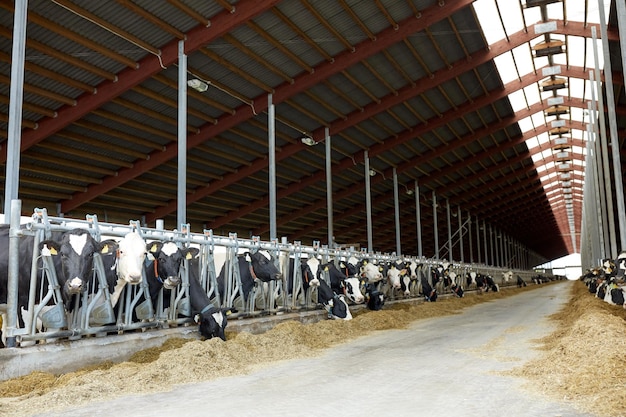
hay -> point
(582, 361)
(181, 361)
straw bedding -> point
(583, 360)
(185, 361)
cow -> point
(308, 279)
(614, 294)
(507, 276)
(211, 319)
(454, 286)
(123, 262)
(162, 268)
(520, 282)
(370, 271)
(429, 292)
(335, 305)
(341, 284)
(398, 277)
(254, 267)
(374, 299)
(71, 253)
(470, 279)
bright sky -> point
(562, 189)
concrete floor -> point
(440, 367)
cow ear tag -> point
(154, 248)
(105, 249)
(188, 256)
(326, 269)
(53, 252)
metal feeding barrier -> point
(216, 267)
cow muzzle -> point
(171, 282)
(133, 279)
(75, 285)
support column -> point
(271, 133)
(418, 218)
(181, 202)
(368, 203)
(329, 189)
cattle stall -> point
(222, 264)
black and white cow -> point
(370, 271)
(374, 299)
(71, 253)
(335, 304)
(253, 267)
(520, 282)
(211, 319)
(341, 284)
(429, 292)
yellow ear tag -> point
(53, 252)
(188, 256)
(154, 248)
(364, 262)
(105, 249)
(228, 312)
(326, 269)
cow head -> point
(370, 271)
(352, 290)
(212, 322)
(375, 299)
(262, 265)
(73, 260)
(394, 274)
(167, 258)
(338, 309)
(131, 254)
(308, 278)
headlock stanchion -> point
(104, 308)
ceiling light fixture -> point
(372, 172)
(198, 85)
(307, 140)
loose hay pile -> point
(182, 361)
(583, 360)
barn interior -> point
(434, 128)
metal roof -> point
(414, 83)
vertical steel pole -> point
(494, 261)
(610, 99)
(329, 188)
(478, 240)
(368, 203)
(181, 202)
(449, 230)
(418, 218)
(396, 203)
(485, 242)
(13, 271)
(458, 213)
(435, 225)
(612, 252)
(470, 237)
(597, 174)
(271, 139)
(16, 98)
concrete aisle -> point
(440, 367)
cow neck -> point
(306, 276)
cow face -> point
(308, 278)
(212, 322)
(167, 257)
(131, 254)
(76, 250)
(262, 264)
(352, 290)
(370, 272)
(334, 304)
(394, 275)
(375, 299)
(349, 267)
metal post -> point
(460, 233)
(271, 139)
(181, 202)
(16, 98)
(396, 203)
(418, 218)
(478, 240)
(596, 174)
(368, 203)
(470, 237)
(605, 153)
(329, 189)
(610, 100)
(494, 261)
(449, 230)
(485, 242)
(13, 271)
(435, 225)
